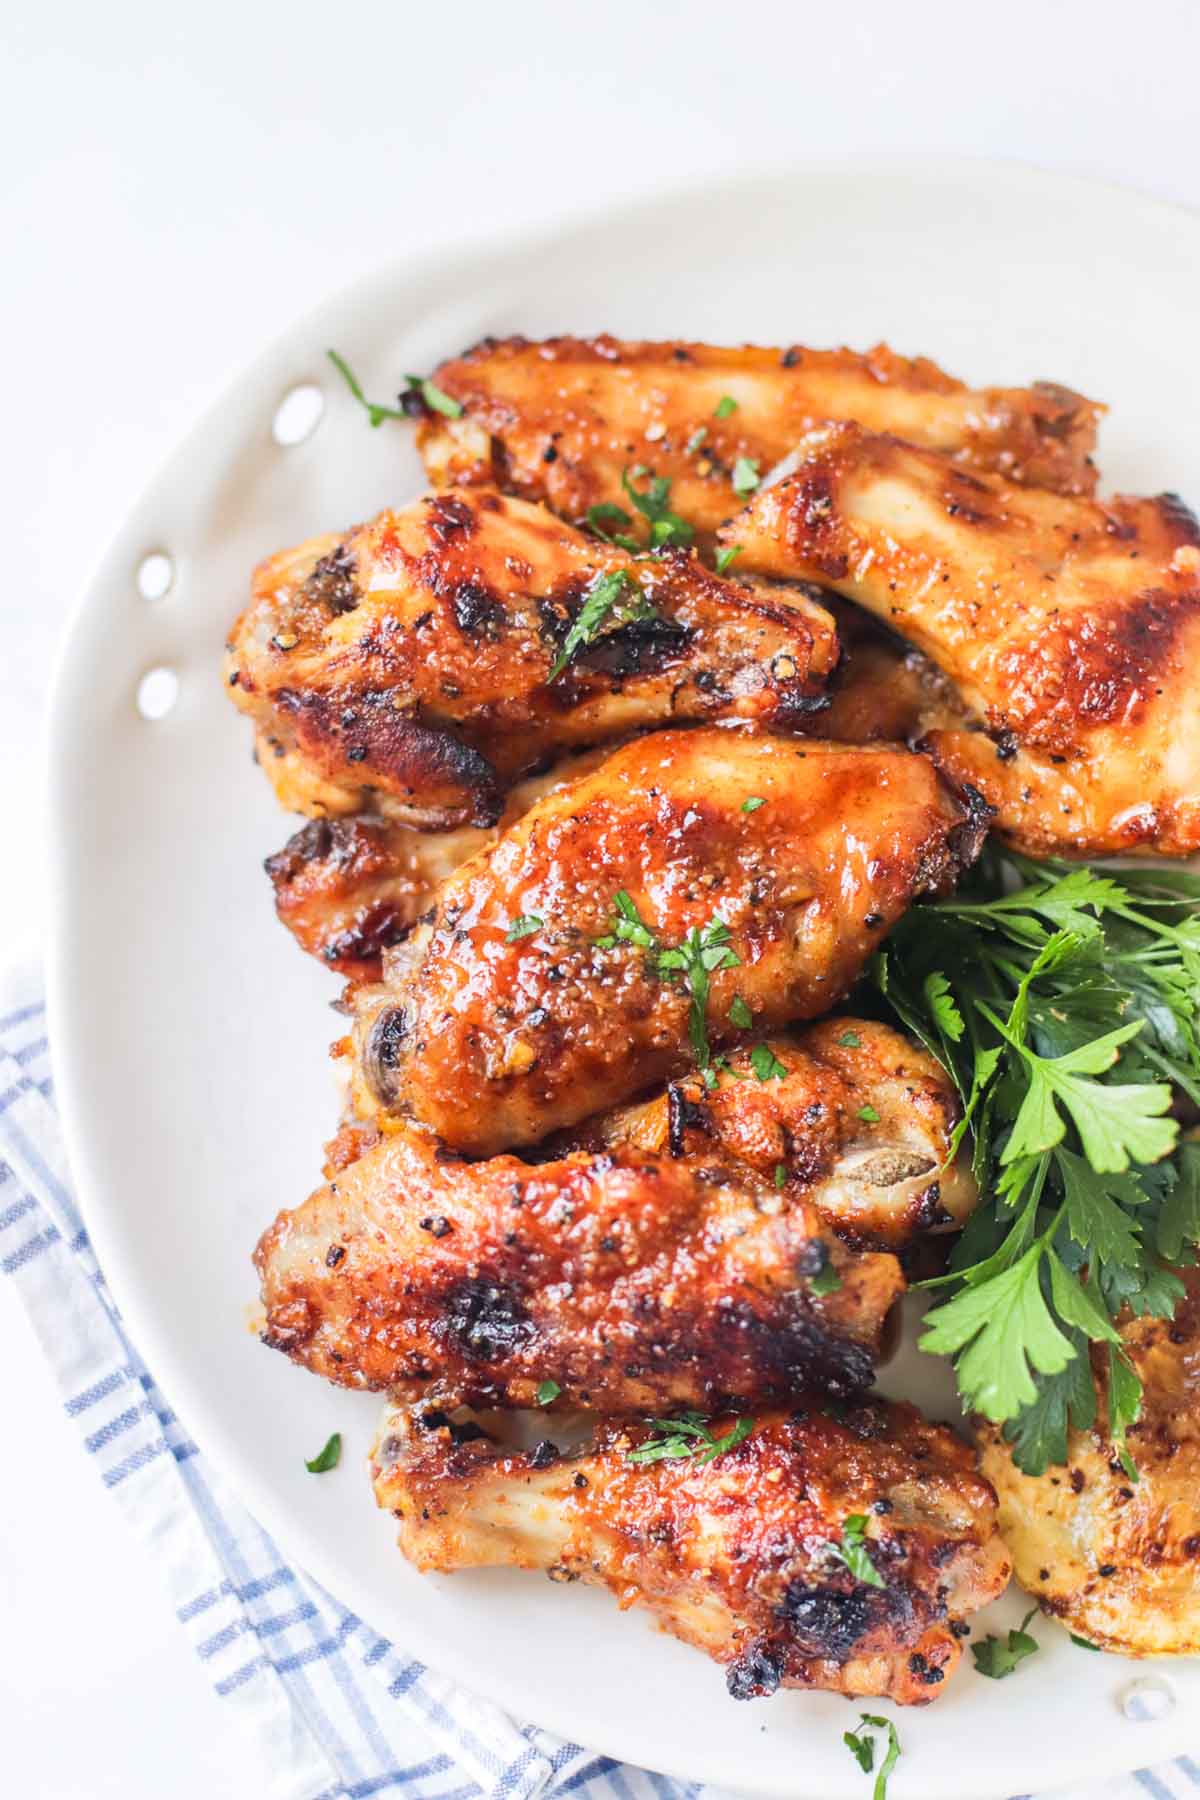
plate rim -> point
(156, 1345)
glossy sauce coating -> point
(738, 1556)
(493, 1042)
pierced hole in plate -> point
(298, 415)
(155, 573)
(157, 692)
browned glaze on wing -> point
(560, 421)
(859, 1123)
(1070, 629)
(405, 668)
(349, 888)
(737, 1556)
(493, 1041)
(634, 1281)
(1118, 1561)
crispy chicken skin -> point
(1070, 629)
(1119, 1562)
(737, 1556)
(349, 888)
(635, 1281)
(860, 1125)
(494, 1042)
(404, 668)
(561, 420)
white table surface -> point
(177, 183)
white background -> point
(176, 183)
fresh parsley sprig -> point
(854, 1553)
(861, 1745)
(703, 951)
(689, 1436)
(653, 502)
(998, 1656)
(1063, 1001)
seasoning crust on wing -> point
(493, 1039)
(1070, 629)
(562, 420)
(1118, 1561)
(739, 1556)
(632, 1281)
(405, 669)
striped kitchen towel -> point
(339, 1713)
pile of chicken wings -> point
(621, 751)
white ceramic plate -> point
(191, 1034)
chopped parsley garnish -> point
(781, 1175)
(328, 1458)
(826, 1281)
(1083, 1643)
(522, 927)
(688, 1435)
(745, 475)
(603, 519)
(725, 557)
(695, 441)
(666, 527)
(1063, 1000)
(753, 803)
(740, 1014)
(850, 1040)
(547, 1391)
(376, 414)
(725, 405)
(868, 1115)
(766, 1064)
(853, 1552)
(700, 955)
(997, 1657)
(613, 596)
(862, 1747)
(434, 398)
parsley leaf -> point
(740, 1014)
(853, 1552)
(523, 926)
(725, 405)
(653, 502)
(328, 1458)
(753, 803)
(826, 1280)
(687, 1436)
(862, 1748)
(868, 1115)
(434, 398)
(766, 1064)
(694, 442)
(547, 1391)
(606, 515)
(1082, 1642)
(376, 414)
(608, 595)
(745, 475)
(781, 1175)
(850, 1040)
(997, 1657)
(725, 557)
(696, 959)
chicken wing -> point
(631, 1281)
(1070, 629)
(349, 888)
(859, 1121)
(1118, 1561)
(564, 421)
(741, 1555)
(695, 879)
(412, 668)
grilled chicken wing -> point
(561, 421)
(1119, 1562)
(503, 1018)
(740, 1555)
(634, 1281)
(405, 669)
(349, 888)
(859, 1122)
(1070, 629)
